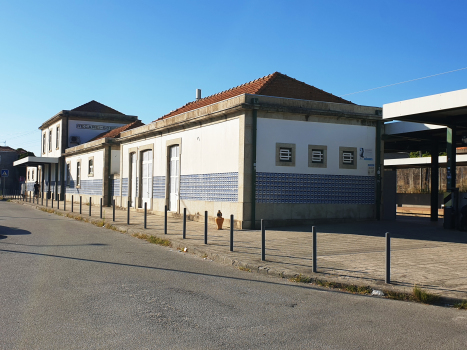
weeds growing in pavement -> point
(301, 279)
(424, 297)
(333, 285)
(461, 305)
(243, 268)
(98, 223)
(154, 239)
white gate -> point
(146, 170)
(174, 173)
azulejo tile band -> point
(314, 188)
(125, 187)
(90, 187)
(158, 187)
(115, 183)
(215, 187)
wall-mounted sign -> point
(365, 153)
(95, 127)
(371, 169)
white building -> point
(70, 129)
(275, 149)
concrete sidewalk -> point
(422, 252)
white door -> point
(146, 169)
(174, 172)
(133, 180)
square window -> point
(347, 159)
(317, 156)
(285, 154)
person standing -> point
(37, 188)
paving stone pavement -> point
(422, 252)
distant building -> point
(7, 156)
(72, 128)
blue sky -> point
(146, 58)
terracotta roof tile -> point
(7, 149)
(275, 84)
(114, 133)
(96, 107)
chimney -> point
(198, 94)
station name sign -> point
(95, 127)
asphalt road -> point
(66, 284)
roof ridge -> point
(235, 87)
(223, 92)
(275, 84)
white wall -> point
(302, 134)
(84, 157)
(208, 149)
(56, 144)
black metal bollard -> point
(388, 258)
(72, 203)
(90, 206)
(29, 197)
(165, 220)
(52, 202)
(313, 232)
(58, 201)
(100, 208)
(113, 210)
(231, 232)
(128, 214)
(145, 214)
(80, 204)
(184, 223)
(263, 240)
(47, 202)
(206, 227)
(42, 199)
(64, 202)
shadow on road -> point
(11, 231)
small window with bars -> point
(317, 156)
(347, 157)
(285, 154)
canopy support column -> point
(434, 182)
(450, 197)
